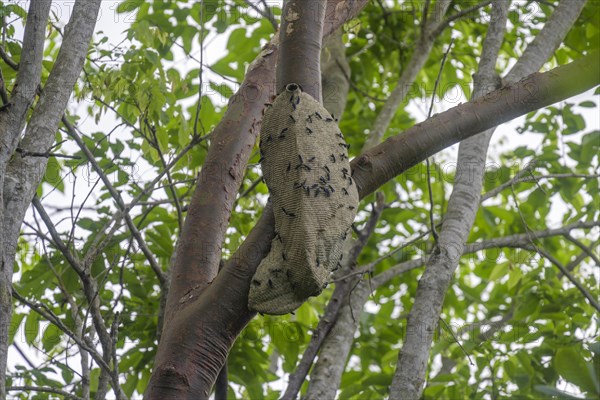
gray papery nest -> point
(306, 168)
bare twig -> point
(47, 154)
(592, 299)
(249, 189)
(266, 13)
(44, 389)
(6, 58)
(533, 178)
(586, 250)
(120, 204)
(45, 312)
(429, 189)
(458, 15)
(456, 340)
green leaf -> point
(127, 6)
(571, 365)
(32, 326)
(551, 391)
(15, 324)
(499, 271)
(587, 104)
(51, 337)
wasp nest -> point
(306, 168)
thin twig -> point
(120, 204)
(169, 177)
(44, 389)
(47, 154)
(583, 247)
(429, 189)
(460, 14)
(47, 313)
(457, 341)
(249, 189)
(592, 299)
(266, 13)
(534, 178)
(9, 61)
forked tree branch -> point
(222, 306)
(199, 247)
(21, 176)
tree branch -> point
(335, 349)
(300, 46)
(45, 312)
(90, 289)
(399, 153)
(587, 250)
(44, 389)
(265, 13)
(533, 178)
(12, 118)
(592, 299)
(513, 241)
(409, 73)
(161, 276)
(6, 58)
(21, 176)
(460, 215)
(445, 23)
(226, 297)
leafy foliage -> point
(511, 326)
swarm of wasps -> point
(304, 160)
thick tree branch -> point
(12, 118)
(300, 46)
(22, 175)
(399, 153)
(460, 215)
(198, 252)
